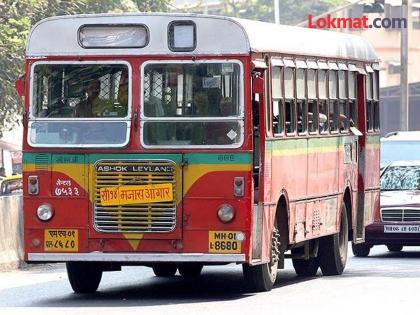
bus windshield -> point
(192, 103)
(79, 90)
(79, 104)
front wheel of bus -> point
(84, 277)
(262, 277)
(164, 270)
(332, 251)
(190, 270)
(394, 248)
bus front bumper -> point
(137, 257)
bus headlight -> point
(45, 212)
(226, 213)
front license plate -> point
(61, 240)
(136, 194)
(401, 228)
(224, 242)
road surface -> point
(383, 283)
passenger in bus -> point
(217, 133)
(122, 105)
(226, 107)
(200, 104)
(153, 107)
(343, 122)
(323, 122)
(86, 107)
(200, 107)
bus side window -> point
(343, 116)
(301, 101)
(333, 114)
(375, 88)
(323, 102)
(277, 96)
(369, 101)
(290, 111)
(352, 92)
(312, 102)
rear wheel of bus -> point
(84, 277)
(262, 277)
(304, 267)
(332, 251)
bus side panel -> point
(306, 181)
(372, 177)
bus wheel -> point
(360, 250)
(164, 270)
(303, 267)
(332, 251)
(394, 248)
(262, 277)
(84, 277)
(190, 270)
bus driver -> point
(89, 107)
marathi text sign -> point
(126, 195)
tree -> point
(16, 19)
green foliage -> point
(16, 19)
(152, 5)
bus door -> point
(262, 218)
(359, 235)
(369, 147)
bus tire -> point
(164, 270)
(332, 251)
(394, 248)
(360, 250)
(84, 277)
(306, 268)
(261, 278)
(190, 270)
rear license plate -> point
(224, 242)
(61, 240)
(401, 228)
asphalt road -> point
(383, 283)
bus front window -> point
(79, 104)
(192, 104)
(81, 90)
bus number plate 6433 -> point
(224, 242)
(61, 240)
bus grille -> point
(137, 218)
(400, 215)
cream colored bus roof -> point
(58, 36)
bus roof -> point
(58, 36)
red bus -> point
(176, 141)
